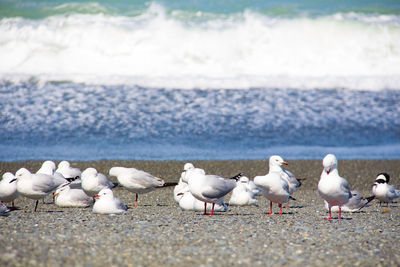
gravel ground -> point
(158, 232)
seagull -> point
(181, 186)
(72, 197)
(189, 202)
(3, 210)
(292, 181)
(242, 194)
(382, 190)
(209, 188)
(48, 167)
(355, 203)
(137, 181)
(37, 186)
(64, 167)
(93, 181)
(274, 187)
(331, 187)
(106, 203)
(8, 189)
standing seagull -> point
(274, 187)
(93, 182)
(37, 186)
(137, 181)
(8, 189)
(209, 188)
(382, 190)
(331, 187)
(355, 203)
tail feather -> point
(369, 199)
(72, 179)
(169, 184)
(115, 185)
(292, 198)
(237, 176)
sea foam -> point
(197, 50)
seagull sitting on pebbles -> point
(72, 197)
(106, 203)
(137, 181)
(64, 168)
(274, 187)
(242, 194)
(8, 189)
(209, 188)
(181, 186)
(331, 187)
(37, 186)
(93, 181)
(382, 190)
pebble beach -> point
(158, 232)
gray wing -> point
(45, 183)
(146, 179)
(218, 187)
(346, 187)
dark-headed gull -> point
(93, 181)
(8, 189)
(382, 190)
(137, 181)
(273, 186)
(209, 188)
(331, 187)
(106, 203)
(37, 186)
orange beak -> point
(55, 194)
(285, 163)
(96, 196)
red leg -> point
(270, 208)
(205, 208)
(212, 210)
(280, 207)
(340, 212)
(136, 200)
(330, 214)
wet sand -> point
(158, 232)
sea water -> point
(194, 80)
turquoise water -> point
(42, 9)
(165, 80)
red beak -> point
(285, 163)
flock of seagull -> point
(195, 190)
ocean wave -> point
(168, 50)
